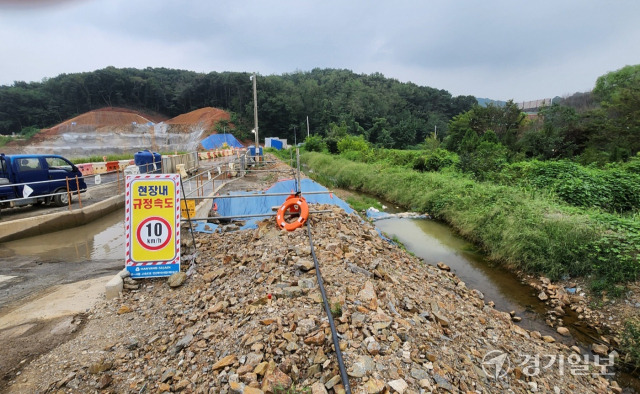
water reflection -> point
(100, 239)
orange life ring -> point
(289, 203)
(215, 206)
(295, 208)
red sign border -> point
(158, 218)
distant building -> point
(273, 142)
(535, 105)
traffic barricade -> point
(100, 167)
(85, 168)
(112, 166)
(122, 164)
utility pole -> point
(307, 125)
(255, 112)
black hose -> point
(327, 309)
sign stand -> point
(152, 225)
(193, 238)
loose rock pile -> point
(251, 320)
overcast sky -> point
(502, 49)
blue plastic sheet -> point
(216, 141)
(204, 227)
(376, 214)
(263, 204)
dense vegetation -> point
(519, 186)
(530, 228)
(527, 225)
(391, 113)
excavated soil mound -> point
(103, 117)
(204, 117)
(108, 119)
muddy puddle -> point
(102, 239)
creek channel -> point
(428, 239)
(435, 242)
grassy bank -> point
(535, 233)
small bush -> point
(332, 145)
(630, 343)
(314, 143)
(436, 160)
(353, 143)
(4, 139)
(336, 310)
(485, 160)
(29, 132)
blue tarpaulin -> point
(216, 141)
(263, 204)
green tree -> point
(505, 121)
(619, 94)
(558, 136)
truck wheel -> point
(61, 200)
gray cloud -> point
(500, 49)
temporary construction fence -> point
(170, 163)
(203, 183)
(212, 154)
(252, 207)
(72, 186)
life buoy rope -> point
(293, 204)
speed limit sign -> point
(152, 224)
(154, 233)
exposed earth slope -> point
(119, 130)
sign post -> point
(152, 225)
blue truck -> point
(38, 179)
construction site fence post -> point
(68, 194)
(78, 191)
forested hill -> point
(391, 113)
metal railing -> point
(233, 166)
(30, 199)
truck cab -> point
(30, 179)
